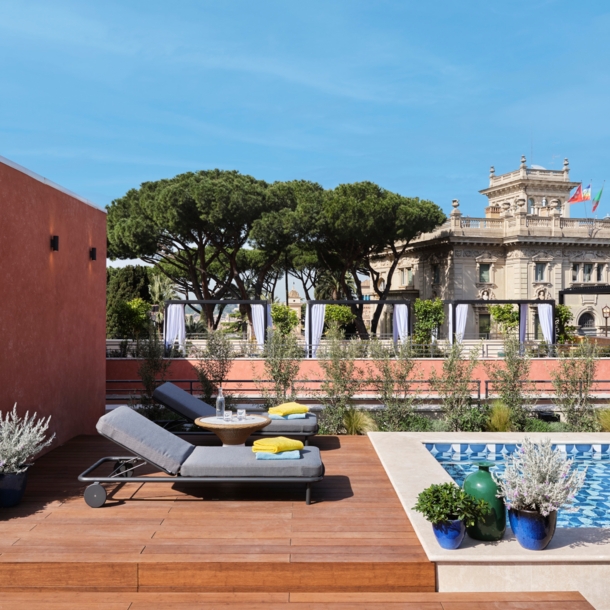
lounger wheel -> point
(95, 495)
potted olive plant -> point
(20, 440)
(537, 482)
(450, 510)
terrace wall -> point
(52, 304)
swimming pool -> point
(592, 505)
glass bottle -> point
(220, 404)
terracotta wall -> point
(52, 304)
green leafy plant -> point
(283, 355)
(392, 375)
(429, 315)
(533, 424)
(285, 319)
(453, 387)
(338, 315)
(213, 363)
(356, 421)
(341, 382)
(565, 332)
(499, 417)
(508, 377)
(573, 379)
(603, 416)
(447, 502)
(505, 316)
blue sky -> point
(420, 97)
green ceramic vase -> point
(480, 484)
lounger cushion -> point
(242, 462)
(145, 438)
(286, 426)
(182, 402)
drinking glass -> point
(228, 416)
(241, 414)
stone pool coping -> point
(411, 468)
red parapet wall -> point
(52, 304)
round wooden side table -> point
(234, 432)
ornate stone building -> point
(525, 247)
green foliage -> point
(508, 381)
(132, 318)
(533, 424)
(284, 318)
(603, 416)
(338, 315)
(565, 332)
(447, 502)
(283, 356)
(499, 418)
(573, 379)
(341, 382)
(356, 421)
(392, 375)
(429, 315)
(124, 284)
(505, 316)
(213, 363)
(453, 387)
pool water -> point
(592, 505)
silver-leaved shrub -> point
(540, 478)
(21, 439)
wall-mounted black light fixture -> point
(93, 254)
(55, 243)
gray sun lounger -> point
(186, 463)
(190, 407)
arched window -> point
(587, 324)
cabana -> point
(316, 311)
(458, 316)
(174, 327)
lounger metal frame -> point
(95, 494)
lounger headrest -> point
(182, 402)
(145, 438)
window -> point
(484, 325)
(403, 277)
(587, 275)
(531, 206)
(587, 324)
(484, 273)
(381, 284)
(540, 267)
(409, 277)
(600, 273)
(436, 274)
(575, 271)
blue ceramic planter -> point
(12, 487)
(449, 533)
(533, 531)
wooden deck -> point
(226, 545)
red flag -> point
(577, 196)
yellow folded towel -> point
(276, 445)
(289, 408)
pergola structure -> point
(309, 331)
(184, 302)
(522, 303)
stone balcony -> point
(521, 225)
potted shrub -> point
(450, 510)
(538, 480)
(20, 440)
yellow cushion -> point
(288, 408)
(276, 445)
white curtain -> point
(523, 310)
(461, 316)
(258, 324)
(545, 315)
(317, 326)
(450, 324)
(400, 322)
(175, 328)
